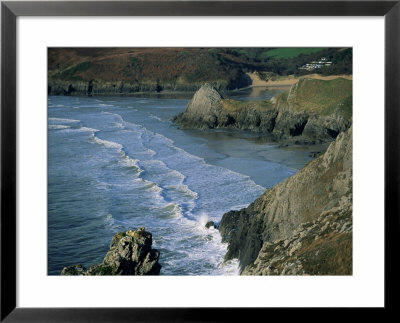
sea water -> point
(119, 163)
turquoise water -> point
(119, 163)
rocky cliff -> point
(312, 111)
(130, 254)
(118, 88)
(302, 225)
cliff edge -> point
(301, 226)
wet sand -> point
(246, 152)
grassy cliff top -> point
(232, 106)
(291, 52)
(324, 97)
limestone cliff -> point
(312, 111)
(130, 254)
(204, 110)
(302, 225)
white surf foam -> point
(106, 143)
(118, 125)
(58, 126)
(156, 117)
(85, 129)
(64, 120)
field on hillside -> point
(290, 52)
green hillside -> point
(290, 52)
(323, 97)
(167, 67)
(129, 70)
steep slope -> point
(301, 225)
(312, 111)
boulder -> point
(203, 110)
(210, 224)
(74, 270)
(130, 253)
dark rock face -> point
(243, 232)
(130, 254)
(206, 111)
(255, 120)
(289, 124)
(309, 128)
(318, 197)
(325, 127)
(210, 224)
(98, 87)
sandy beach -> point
(290, 80)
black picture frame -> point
(10, 10)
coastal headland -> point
(303, 225)
(311, 111)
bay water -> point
(119, 163)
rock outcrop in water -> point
(130, 254)
(301, 226)
(204, 110)
(211, 224)
(313, 111)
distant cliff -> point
(301, 226)
(311, 111)
(124, 71)
(130, 254)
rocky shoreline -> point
(130, 254)
(124, 88)
(95, 88)
(301, 226)
(283, 117)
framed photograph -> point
(197, 160)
